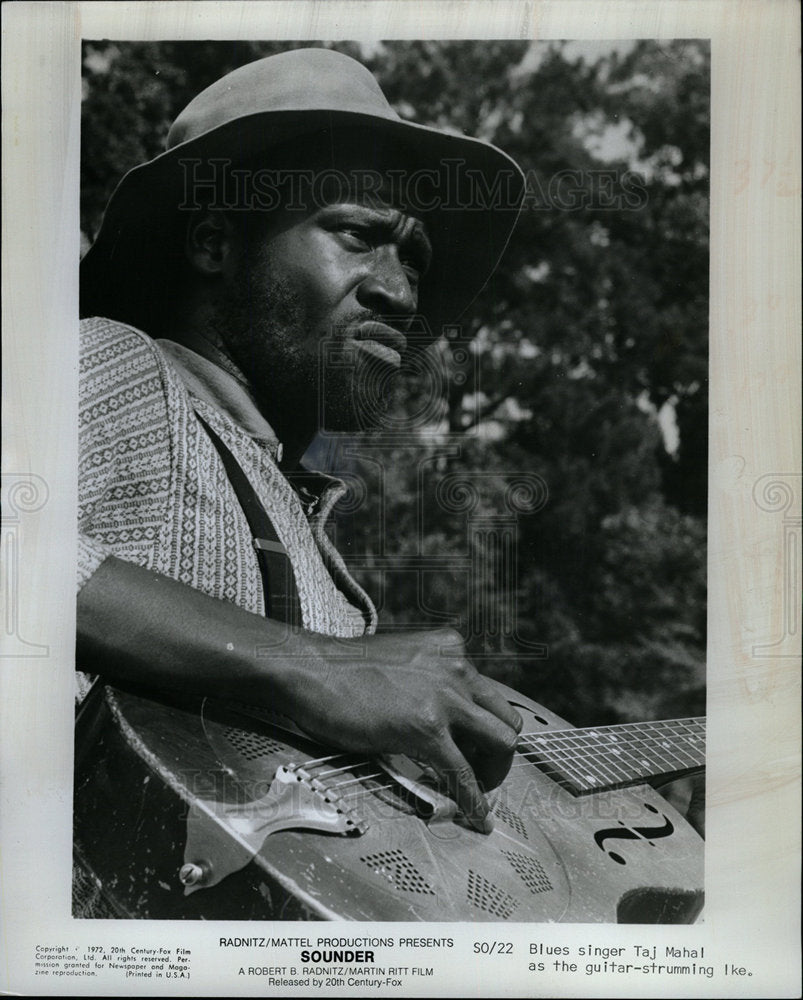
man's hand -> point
(412, 693)
(416, 694)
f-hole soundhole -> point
(529, 711)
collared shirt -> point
(152, 488)
(216, 381)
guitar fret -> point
(627, 770)
(694, 747)
(685, 754)
(696, 726)
(586, 751)
(579, 773)
(586, 764)
(578, 767)
(578, 770)
(603, 777)
(579, 777)
(631, 741)
(612, 756)
(573, 768)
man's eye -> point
(356, 236)
(413, 269)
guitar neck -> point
(607, 757)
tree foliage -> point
(574, 413)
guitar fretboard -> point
(609, 757)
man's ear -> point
(209, 242)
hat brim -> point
(470, 209)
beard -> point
(303, 380)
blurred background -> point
(548, 494)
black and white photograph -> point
(531, 511)
(400, 489)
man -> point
(227, 321)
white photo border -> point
(751, 918)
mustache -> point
(415, 329)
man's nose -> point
(387, 288)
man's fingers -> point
(461, 784)
(491, 697)
(485, 728)
(488, 744)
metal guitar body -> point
(199, 811)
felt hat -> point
(468, 191)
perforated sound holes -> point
(486, 896)
(530, 871)
(251, 746)
(512, 820)
(397, 868)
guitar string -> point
(622, 747)
(639, 756)
(565, 740)
(613, 734)
(530, 739)
(605, 782)
(638, 727)
(587, 782)
(352, 766)
(390, 785)
(364, 792)
(553, 773)
(633, 750)
(616, 757)
(611, 738)
(590, 764)
(559, 755)
(354, 781)
(338, 770)
(527, 744)
(592, 759)
(662, 749)
(589, 760)
(568, 738)
(550, 772)
(591, 774)
(317, 761)
(656, 752)
(369, 791)
(584, 779)
(608, 748)
(635, 766)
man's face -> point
(317, 306)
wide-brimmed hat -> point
(468, 191)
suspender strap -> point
(278, 580)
